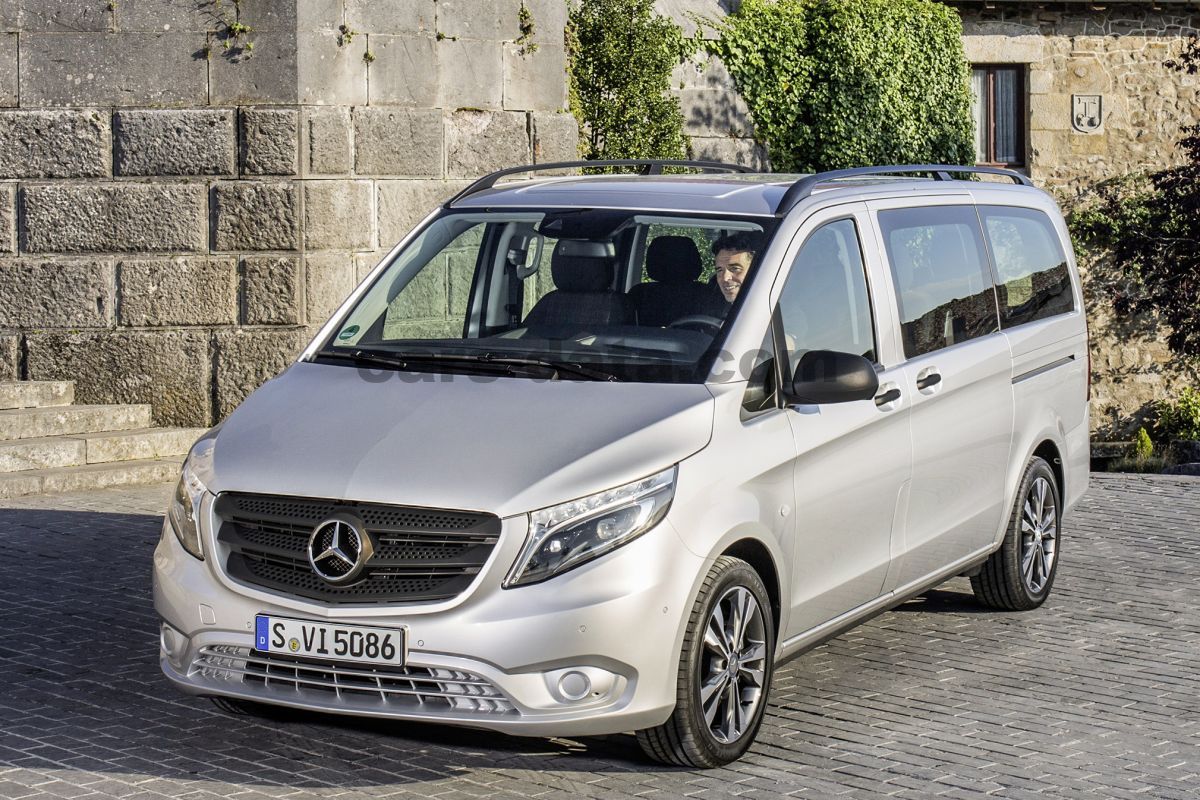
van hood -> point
(503, 445)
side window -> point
(1034, 282)
(942, 278)
(824, 304)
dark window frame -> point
(988, 102)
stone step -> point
(90, 476)
(140, 444)
(35, 423)
(42, 453)
(36, 394)
(95, 448)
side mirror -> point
(826, 376)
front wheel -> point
(725, 672)
(1019, 575)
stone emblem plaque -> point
(1087, 112)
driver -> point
(734, 257)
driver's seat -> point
(673, 264)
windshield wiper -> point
(406, 361)
(488, 361)
(562, 367)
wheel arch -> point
(1048, 450)
(1048, 443)
(756, 554)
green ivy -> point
(845, 83)
(621, 58)
(1179, 418)
(526, 46)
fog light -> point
(574, 685)
(580, 684)
(173, 643)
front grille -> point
(362, 685)
(421, 554)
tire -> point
(690, 738)
(1019, 575)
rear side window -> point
(942, 277)
(1034, 282)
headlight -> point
(185, 507)
(564, 536)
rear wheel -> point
(725, 672)
(1019, 575)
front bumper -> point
(511, 660)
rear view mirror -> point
(827, 376)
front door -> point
(852, 459)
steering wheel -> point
(701, 322)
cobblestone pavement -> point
(1094, 695)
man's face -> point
(732, 268)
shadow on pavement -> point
(83, 690)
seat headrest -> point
(673, 259)
(578, 265)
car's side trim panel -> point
(1033, 373)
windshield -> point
(578, 294)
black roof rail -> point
(648, 166)
(940, 172)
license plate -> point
(356, 643)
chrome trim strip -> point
(1033, 373)
(389, 673)
(212, 658)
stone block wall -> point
(715, 116)
(182, 206)
(1118, 53)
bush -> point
(1143, 448)
(621, 58)
(847, 83)
(1179, 418)
(1150, 226)
(1151, 466)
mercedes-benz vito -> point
(593, 454)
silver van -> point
(593, 454)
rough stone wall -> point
(715, 116)
(1117, 53)
(178, 216)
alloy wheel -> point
(1039, 535)
(733, 664)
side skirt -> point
(803, 642)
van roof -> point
(741, 193)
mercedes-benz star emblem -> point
(338, 550)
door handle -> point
(931, 379)
(890, 396)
